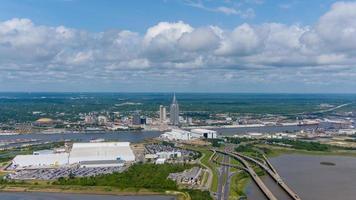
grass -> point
(238, 184)
(205, 160)
(28, 187)
(274, 151)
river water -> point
(63, 196)
(138, 136)
(127, 136)
(310, 179)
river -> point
(127, 136)
(63, 196)
(310, 179)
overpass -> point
(273, 173)
(253, 174)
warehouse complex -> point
(179, 134)
(101, 154)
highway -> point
(225, 194)
(273, 173)
(253, 174)
(222, 192)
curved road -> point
(253, 174)
(274, 175)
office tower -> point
(174, 112)
(162, 114)
(136, 118)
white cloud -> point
(228, 9)
(28, 50)
(243, 40)
(201, 39)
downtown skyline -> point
(213, 46)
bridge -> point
(273, 173)
(253, 174)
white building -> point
(177, 134)
(102, 163)
(101, 151)
(85, 154)
(160, 161)
(162, 114)
(204, 133)
(102, 120)
(89, 119)
(40, 160)
(169, 154)
(347, 131)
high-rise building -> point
(174, 112)
(102, 120)
(136, 118)
(162, 114)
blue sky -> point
(138, 15)
(178, 45)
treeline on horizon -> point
(21, 108)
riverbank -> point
(239, 185)
(312, 180)
(274, 151)
(91, 190)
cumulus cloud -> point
(28, 50)
(201, 39)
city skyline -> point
(251, 46)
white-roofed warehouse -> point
(42, 160)
(101, 151)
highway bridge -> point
(273, 173)
(252, 173)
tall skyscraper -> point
(136, 118)
(174, 112)
(162, 114)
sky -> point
(269, 46)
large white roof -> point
(200, 130)
(101, 151)
(41, 160)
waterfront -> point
(61, 196)
(137, 136)
(262, 129)
(129, 136)
(310, 179)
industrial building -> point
(204, 133)
(104, 154)
(40, 160)
(177, 134)
(99, 151)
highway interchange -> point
(225, 174)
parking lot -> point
(55, 173)
(156, 148)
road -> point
(223, 175)
(334, 108)
(227, 182)
(210, 173)
(273, 173)
(253, 174)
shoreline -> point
(90, 190)
(279, 151)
